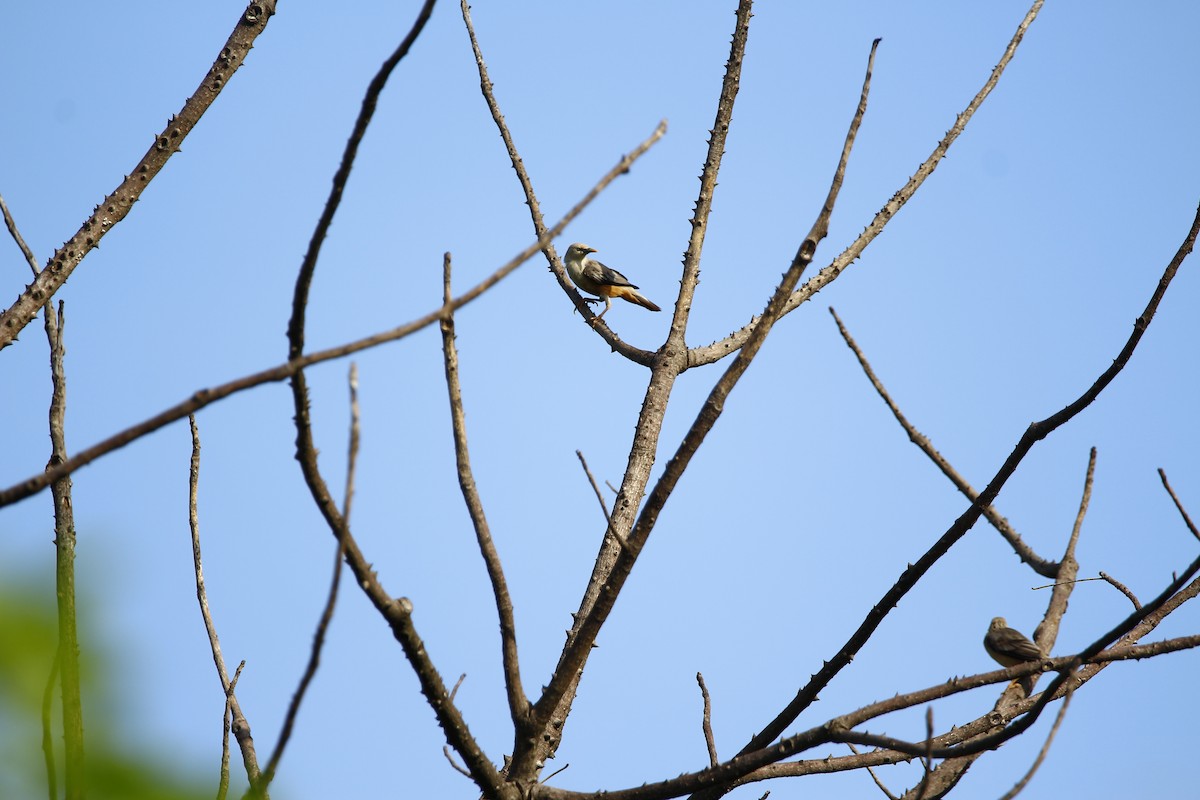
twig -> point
(1103, 576)
(1046, 632)
(205, 397)
(450, 757)
(1084, 501)
(240, 726)
(558, 771)
(13, 231)
(352, 446)
(1041, 756)
(1039, 565)
(117, 205)
(706, 722)
(874, 777)
(1182, 512)
(518, 703)
(457, 684)
(595, 488)
(318, 643)
(1120, 587)
(226, 720)
(927, 758)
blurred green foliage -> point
(28, 641)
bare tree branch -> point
(1040, 565)
(1057, 686)
(1103, 576)
(351, 451)
(1175, 499)
(318, 643)
(950, 771)
(589, 621)
(117, 205)
(927, 758)
(698, 356)
(1122, 588)
(840, 730)
(595, 487)
(706, 722)
(1041, 756)
(226, 724)
(366, 111)
(874, 777)
(205, 397)
(241, 726)
(397, 613)
(64, 570)
(519, 706)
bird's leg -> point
(586, 300)
(607, 306)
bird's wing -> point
(604, 276)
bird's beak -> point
(591, 250)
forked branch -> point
(698, 356)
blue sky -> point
(993, 299)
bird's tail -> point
(628, 293)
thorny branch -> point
(592, 480)
(117, 205)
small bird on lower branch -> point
(593, 277)
(1009, 647)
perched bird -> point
(1009, 647)
(593, 277)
